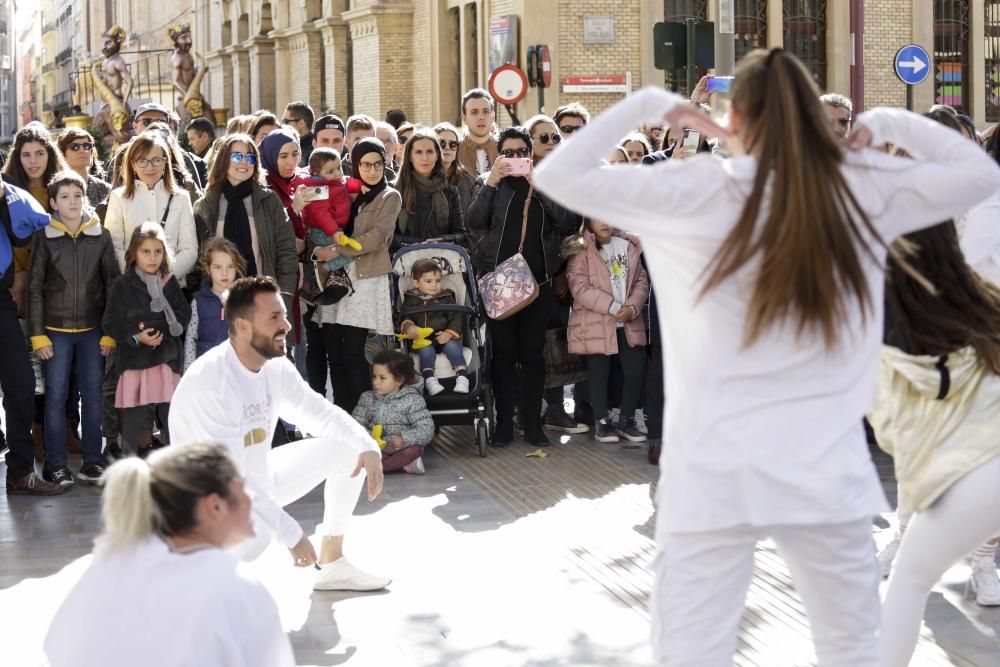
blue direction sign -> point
(912, 64)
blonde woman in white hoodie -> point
(768, 269)
(162, 589)
(151, 194)
(936, 411)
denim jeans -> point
(84, 348)
(452, 349)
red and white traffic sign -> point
(508, 84)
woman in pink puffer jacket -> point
(609, 288)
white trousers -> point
(702, 581)
(964, 517)
(299, 467)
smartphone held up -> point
(519, 166)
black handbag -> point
(561, 367)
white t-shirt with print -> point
(615, 256)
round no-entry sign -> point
(508, 84)
(912, 64)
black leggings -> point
(138, 418)
(633, 361)
(317, 365)
(349, 369)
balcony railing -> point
(150, 75)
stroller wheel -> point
(482, 437)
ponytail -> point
(810, 231)
(127, 508)
(160, 497)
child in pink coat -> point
(610, 288)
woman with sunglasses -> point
(431, 208)
(456, 173)
(495, 220)
(544, 136)
(77, 147)
(238, 207)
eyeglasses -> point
(290, 121)
(516, 152)
(236, 157)
(570, 129)
(545, 138)
(81, 147)
(146, 122)
(449, 145)
(371, 166)
(152, 162)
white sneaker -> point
(433, 386)
(640, 421)
(416, 466)
(340, 575)
(887, 556)
(462, 385)
(984, 583)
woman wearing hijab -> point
(347, 322)
(280, 153)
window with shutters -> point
(804, 28)
(951, 53)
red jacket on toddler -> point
(329, 215)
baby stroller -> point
(449, 408)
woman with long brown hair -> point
(768, 268)
(937, 404)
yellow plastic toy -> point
(421, 339)
(344, 239)
(377, 436)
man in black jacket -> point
(16, 377)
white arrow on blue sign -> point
(912, 64)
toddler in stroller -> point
(443, 328)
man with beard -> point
(114, 72)
(478, 151)
(235, 393)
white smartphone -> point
(692, 138)
(317, 192)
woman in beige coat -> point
(610, 288)
(936, 410)
(346, 323)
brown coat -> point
(592, 329)
(373, 229)
(467, 154)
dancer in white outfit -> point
(936, 411)
(768, 271)
(161, 589)
(235, 393)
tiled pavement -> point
(503, 561)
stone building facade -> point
(420, 55)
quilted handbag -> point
(510, 288)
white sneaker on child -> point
(984, 583)
(416, 466)
(340, 575)
(462, 384)
(433, 386)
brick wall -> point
(887, 28)
(421, 50)
(579, 59)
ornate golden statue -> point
(186, 78)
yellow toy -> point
(377, 436)
(345, 240)
(421, 339)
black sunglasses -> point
(545, 138)
(80, 147)
(402, 139)
(516, 152)
(146, 122)
(448, 145)
(570, 129)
